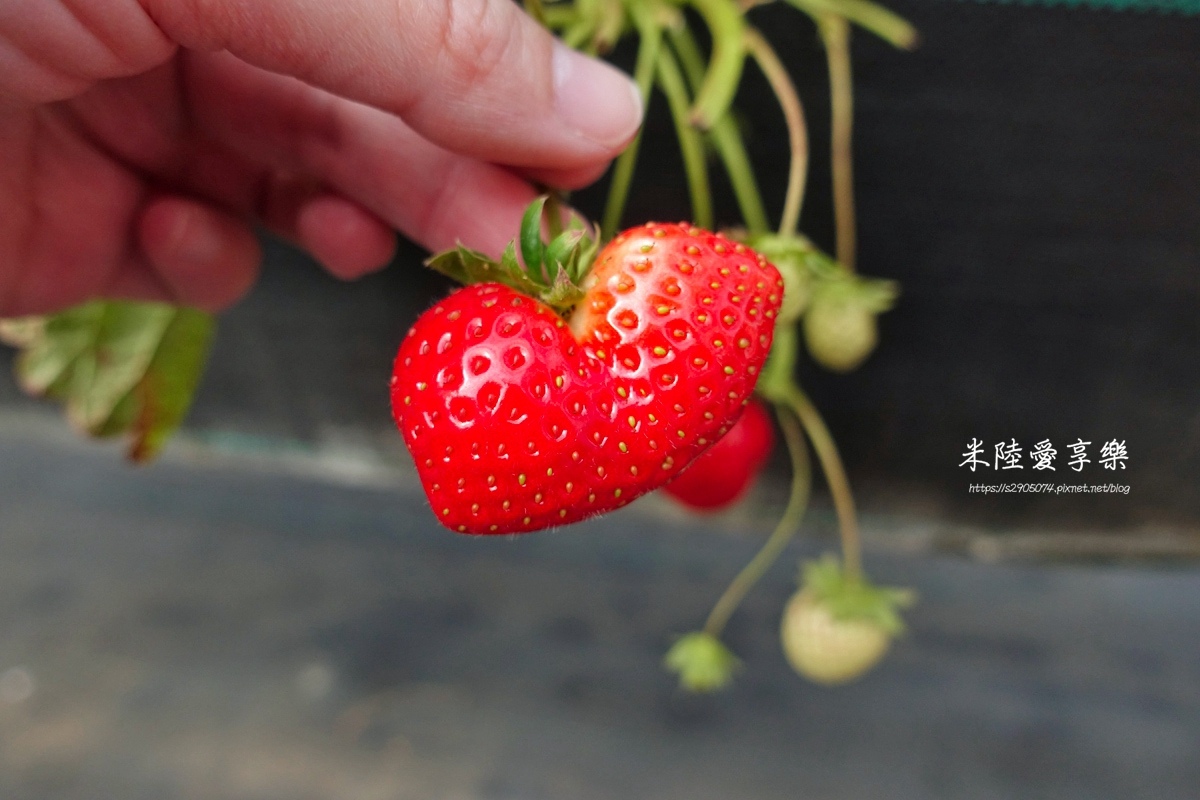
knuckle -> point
(475, 39)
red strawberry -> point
(724, 472)
(518, 420)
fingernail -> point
(597, 101)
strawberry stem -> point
(725, 24)
(650, 35)
(793, 113)
(691, 146)
(788, 524)
(835, 476)
(835, 32)
(725, 138)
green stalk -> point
(789, 523)
(835, 475)
(650, 33)
(885, 24)
(793, 113)
(725, 23)
(611, 20)
(835, 32)
(670, 80)
(726, 138)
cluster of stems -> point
(699, 93)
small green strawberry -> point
(835, 629)
(839, 324)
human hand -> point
(141, 140)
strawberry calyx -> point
(552, 272)
(854, 597)
(702, 661)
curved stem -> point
(835, 475)
(835, 32)
(690, 145)
(787, 527)
(725, 24)
(725, 137)
(793, 113)
(643, 74)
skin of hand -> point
(142, 140)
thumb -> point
(478, 77)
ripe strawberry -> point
(723, 472)
(835, 629)
(518, 419)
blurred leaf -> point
(119, 367)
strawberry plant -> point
(573, 375)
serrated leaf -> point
(118, 367)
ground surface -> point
(220, 627)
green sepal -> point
(563, 293)
(703, 663)
(118, 367)
(532, 251)
(558, 253)
(553, 273)
(849, 597)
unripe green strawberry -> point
(839, 325)
(827, 650)
(835, 628)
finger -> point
(136, 279)
(346, 238)
(435, 197)
(478, 77)
(206, 258)
(52, 50)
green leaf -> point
(118, 367)
(702, 662)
